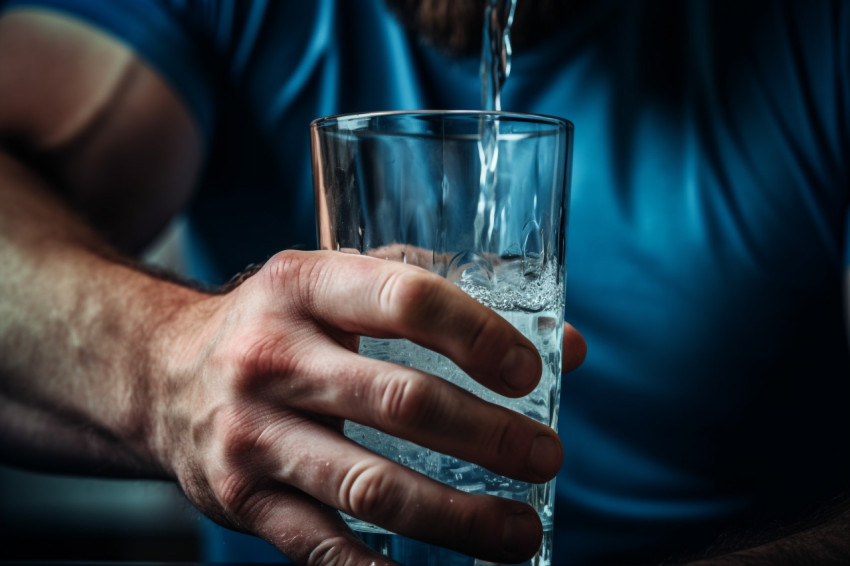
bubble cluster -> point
(525, 284)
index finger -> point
(385, 299)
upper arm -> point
(115, 139)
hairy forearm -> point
(825, 543)
(77, 348)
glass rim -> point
(510, 116)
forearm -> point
(77, 339)
(823, 544)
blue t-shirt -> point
(707, 237)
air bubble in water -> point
(469, 268)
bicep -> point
(117, 141)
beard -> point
(456, 26)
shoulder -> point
(168, 36)
(79, 105)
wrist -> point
(174, 375)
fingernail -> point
(522, 534)
(545, 457)
(518, 368)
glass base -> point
(411, 552)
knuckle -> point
(334, 551)
(261, 355)
(239, 481)
(284, 264)
(262, 350)
(404, 399)
(240, 445)
(246, 441)
(234, 492)
(236, 437)
(300, 272)
(247, 506)
(367, 488)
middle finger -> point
(428, 411)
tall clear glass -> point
(480, 198)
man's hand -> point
(262, 378)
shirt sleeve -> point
(160, 34)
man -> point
(707, 234)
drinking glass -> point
(480, 198)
